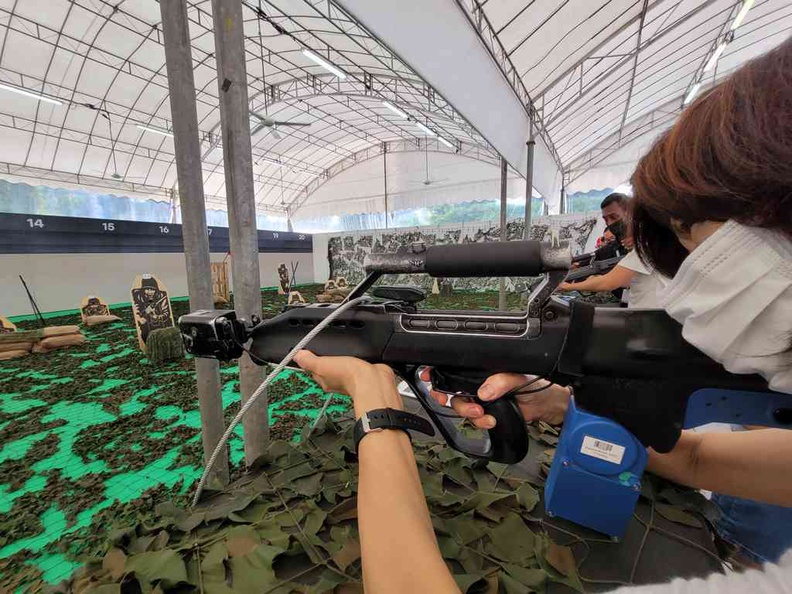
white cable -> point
(230, 429)
(313, 425)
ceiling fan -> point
(428, 181)
(268, 122)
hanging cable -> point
(260, 390)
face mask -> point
(733, 297)
(618, 229)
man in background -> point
(614, 209)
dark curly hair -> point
(729, 156)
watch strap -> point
(389, 418)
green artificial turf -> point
(93, 438)
(94, 427)
(95, 433)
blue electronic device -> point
(595, 478)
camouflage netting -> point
(290, 526)
(95, 442)
(95, 434)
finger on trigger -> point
(439, 397)
(485, 422)
(467, 409)
(425, 374)
(499, 384)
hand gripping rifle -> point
(636, 382)
(631, 366)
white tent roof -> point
(608, 77)
(600, 101)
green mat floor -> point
(95, 429)
(94, 434)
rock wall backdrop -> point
(347, 251)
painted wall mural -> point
(347, 251)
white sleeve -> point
(773, 579)
(632, 262)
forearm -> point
(748, 464)
(619, 277)
(398, 544)
(592, 284)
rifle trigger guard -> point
(507, 443)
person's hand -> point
(565, 287)
(549, 405)
(628, 243)
(369, 386)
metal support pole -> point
(504, 236)
(385, 177)
(178, 59)
(237, 158)
(529, 184)
(563, 193)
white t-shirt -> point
(646, 286)
(775, 579)
(733, 297)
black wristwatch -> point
(389, 418)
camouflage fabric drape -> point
(347, 251)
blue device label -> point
(604, 450)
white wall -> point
(60, 281)
(360, 189)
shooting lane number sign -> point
(150, 306)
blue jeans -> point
(763, 532)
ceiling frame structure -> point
(470, 151)
(594, 76)
(349, 109)
(629, 71)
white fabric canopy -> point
(435, 38)
(605, 78)
(609, 76)
(453, 179)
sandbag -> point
(164, 344)
(8, 355)
(16, 346)
(20, 336)
(97, 320)
(58, 342)
(59, 331)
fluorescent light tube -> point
(324, 63)
(714, 57)
(155, 130)
(692, 94)
(742, 14)
(395, 109)
(271, 161)
(445, 142)
(425, 130)
(31, 94)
